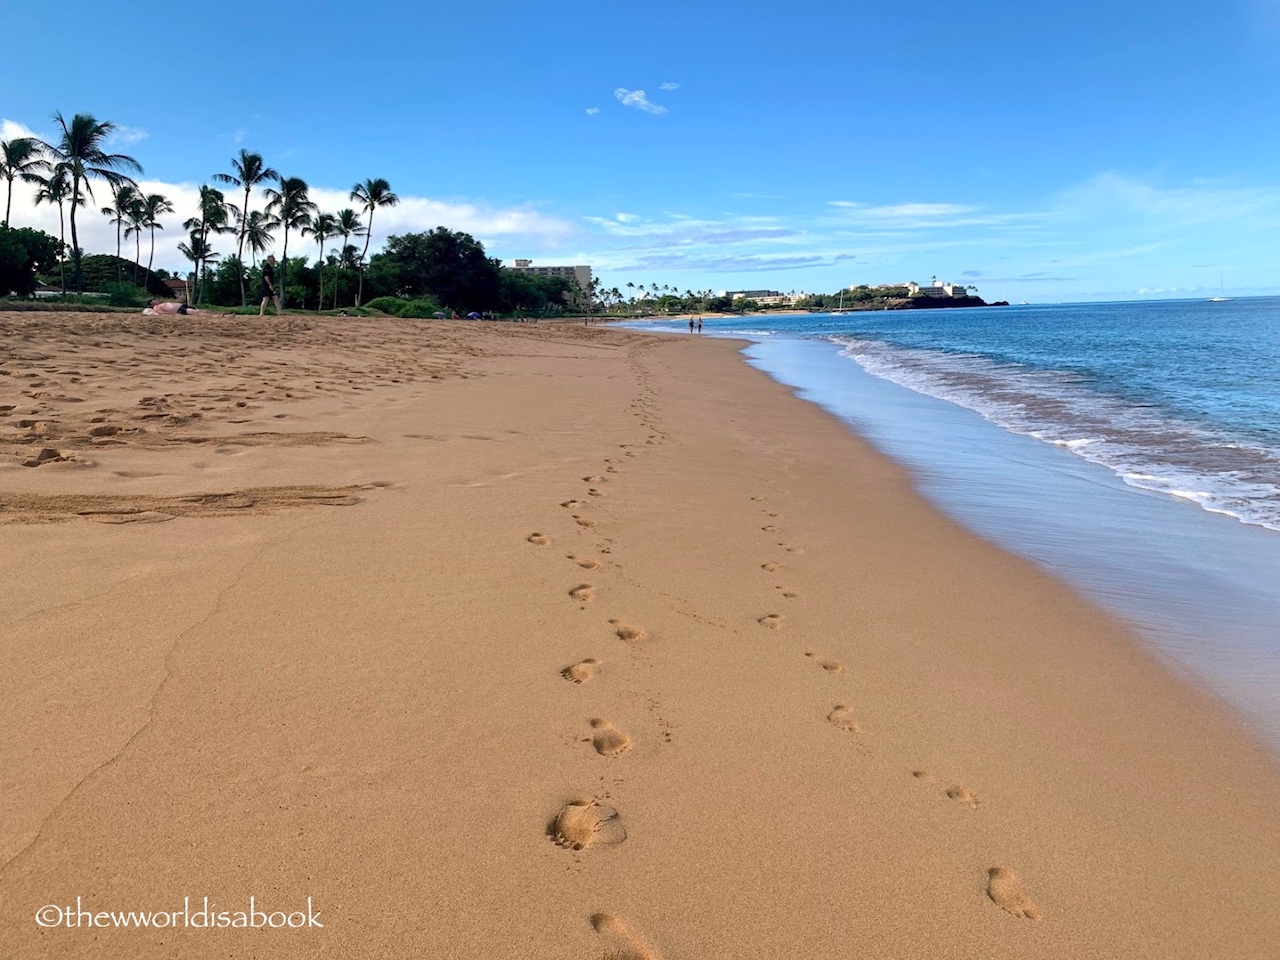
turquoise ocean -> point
(1132, 449)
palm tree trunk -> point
(119, 265)
(320, 270)
(8, 203)
(75, 242)
(368, 235)
(284, 265)
(244, 228)
(152, 259)
(62, 250)
(137, 255)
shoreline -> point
(826, 711)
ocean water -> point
(1131, 448)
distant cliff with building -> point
(894, 296)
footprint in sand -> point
(831, 666)
(583, 592)
(583, 521)
(593, 492)
(584, 563)
(771, 567)
(582, 671)
(628, 632)
(593, 479)
(538, 539)
(757, 499)
(790, 594)
(955, 791)
(770, 529)
(585, 823)
(771, 620)
(570, 504)
(612, 469)
(622, 943)
(1004, 887)
(842, 718)
(608, 740)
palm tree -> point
(21, 158)
(372, 194)
(291, 209)
(323, 226)
(198, 251)
(248, 171)
(56, 188)
(124, 195)
(137, 223)
(258, 226)
(348, 226)
(154, 206)
(79, 151)
(215, 213)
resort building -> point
(937, 289)
(581, 275)
(766, 298)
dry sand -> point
(545, 641)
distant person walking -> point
(691, 324)
(269, 287)
(699, 324)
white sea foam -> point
(1145, 447)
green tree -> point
(198, 251)
(371, 194)
(214, 218)
(291, 208)
(154, 206)
(21, 158)
(450, 266)
(56, 188)
(24, 254)
(123, 196)
(322, 226)
(348, 226)
(248, 171)
(79, 151)
(258, 227)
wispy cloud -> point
(128, 135)
(592, 111)
(1113, 195)
(669, 85)
(637, 99)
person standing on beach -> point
(269, 287)
(691, 324)
(699, 324)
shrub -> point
(389, 305)
(126, 295)
(421, 309)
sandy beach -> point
(477, 640)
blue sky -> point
(1040, 152)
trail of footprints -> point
(1005, 887)
(589, 822)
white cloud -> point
(637, 99)
(625, 217)
(669, 85)
(123, 134)
(592, 111)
